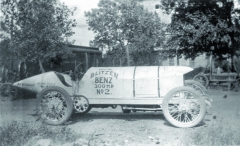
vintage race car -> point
(139, 88)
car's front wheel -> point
(54, 105)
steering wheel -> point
(4, 74)
(78, 72)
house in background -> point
(201, 60)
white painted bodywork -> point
(123, 79)
(39, 82)
(115, 85)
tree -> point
(7, 28)
(40, 28)
(5, 54)
(120, 25)
(202, 26)
(114, 57)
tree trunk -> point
(40, 65)
(128, 57)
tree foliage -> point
(38, 28)
(121, 23)
(5, 54)
(202, 26)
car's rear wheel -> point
(184, 107)
(55, 105)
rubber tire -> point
(69, 103)
(89, 108)
(205, 78)
(203, 88)
(125, 111)
(173, 121)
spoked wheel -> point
(8, 92)
(201, 79)
(196, 85)
(81, 104)
(184, 107)
(4, 74)
(54, 105)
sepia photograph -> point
(119, 72)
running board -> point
(142, 109)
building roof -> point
(77, 48)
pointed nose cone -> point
(39, 82)
(29, 84)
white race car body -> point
(123, 85)
(139, 88)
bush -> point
(18, 133)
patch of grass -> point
(217, 136)
(19, 133)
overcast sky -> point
(82, 5)
(82, 35)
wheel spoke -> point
(172, 112)
(194, 114)
(177, 116)
(186, 118)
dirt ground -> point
(112, 127)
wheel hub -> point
(184, 105)
(187, 105)
(56, 105)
